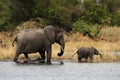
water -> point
(68, 71)
(116, 53)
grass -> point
(6, 53)
(70, 49)
(73, 42)
(104, 47)
(110, 33)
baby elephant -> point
(85, 52)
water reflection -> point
(68, 71)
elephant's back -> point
(30, 40)
(83, 50)
(29, 34)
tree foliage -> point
(63, 13)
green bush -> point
(115, 19)
(5, 13)
(84, 28)
(94, 13)
(81, 26)
(56, 14)
(62, 13)
(94, 30)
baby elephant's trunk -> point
(100, 55)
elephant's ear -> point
(50, 33)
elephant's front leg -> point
(42, 60)
(27, 57)
(49, 51)
(91, 59)
(79, 59)
(86, 59)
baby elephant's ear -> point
(50, 32)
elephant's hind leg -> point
(91, 59)
(16, 56)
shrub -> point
(56, 15)
(110, 33)
(94, 13)
(5, 14)
(62, 13)
(94, 30)
(81, 26)
(84, 28)
(34, 23)
(115, 19)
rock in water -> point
(61, 62)
(25, 61)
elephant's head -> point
(96, 52)
(55, 35)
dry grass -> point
(110, 33)
(6, 53)
(104, 47)
(73, 43)
(71, 47)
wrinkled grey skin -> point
(85, 52)
(33, 40)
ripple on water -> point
(68, 71)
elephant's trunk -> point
(62, 43)
(61, 53)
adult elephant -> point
(33, 40)
(85, 52)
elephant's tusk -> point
(62, 48)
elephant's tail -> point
(14, 41)
(74, 54)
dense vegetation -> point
(77, 15)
